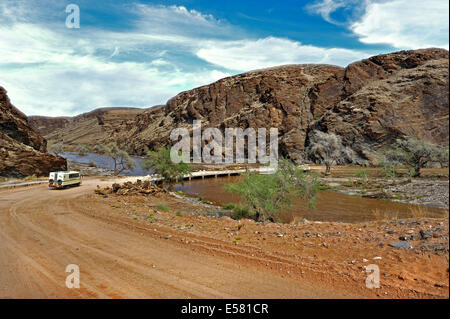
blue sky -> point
(141, 53)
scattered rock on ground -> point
(401, 244)
(129, 188)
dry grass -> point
(384, 215)
(418, 211)
(30, 178)
(414, 211)
(294, 219)
(14, 180)
(378, 214)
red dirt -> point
(124, 253)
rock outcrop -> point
(15, 124)
(391, 96)
(23, 151)
(369, 104)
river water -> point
(104, 161)
(330, 206)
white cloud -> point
(69, 92)
(247, 55)
(326, 7)
(50, 70)
(405, 24)
(350, 8)
(176, 20)
(51, 74)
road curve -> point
(43, 231)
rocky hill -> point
(46, 125)
(88, 128)
(23, 151)
(369, 103)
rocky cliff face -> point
(390, 96)
(22, 150)
(369, 103)
(279, 97)
(15, 124)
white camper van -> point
(64, 179)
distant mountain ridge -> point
(88, 128)
(369, 104)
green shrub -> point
(363, 175)
(163, 208)
(229, 206)
(323, 187)
(263, 196)
(160, 163)
(412, 172)
(31, 178)
(389, 170)
(235, 241)
(242, 212)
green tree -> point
(160, 162)
(121, 159)
(416, 154)
(263, 196)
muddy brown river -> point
(330, 206)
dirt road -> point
(43, 231)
